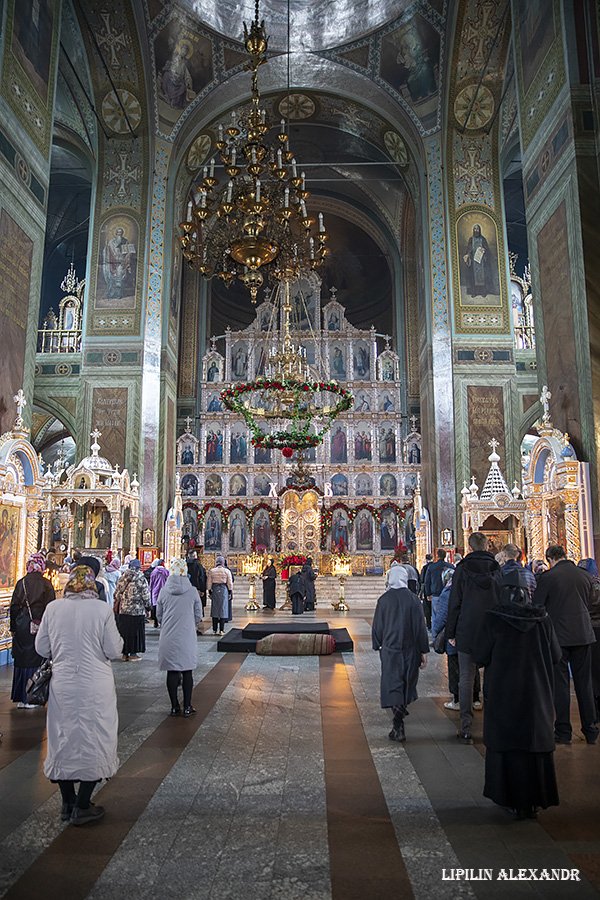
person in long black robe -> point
(269, 577)
(310, 576)
(518, 647)
(297, 589)
(400, 636)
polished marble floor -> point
(286, 787)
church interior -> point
(295, 280)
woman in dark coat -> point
(518, 647)
(297, 589)
(38, 592)
(269, 577)
(310, 576)
(400, 635)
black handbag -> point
(38, 686)
(439, 641)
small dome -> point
(94, 462)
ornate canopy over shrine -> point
(97, 504)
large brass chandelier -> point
(257, 220)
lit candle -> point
(258, 190)
(294, 173)
(321, 226)
(212, 168)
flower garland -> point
(299, 413)
(249, 512)
(352, 512)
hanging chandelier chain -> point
(258, 219)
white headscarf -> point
(178, 567)
(397, 577)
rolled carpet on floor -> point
(296, 645)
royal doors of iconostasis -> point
(300, 532)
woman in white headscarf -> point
(400, 636)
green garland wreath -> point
(301, 418)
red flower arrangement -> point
(293, 561)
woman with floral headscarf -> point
(31, 596)
(81, 637)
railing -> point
(58, 341)
(524, 335)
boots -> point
(397, 732)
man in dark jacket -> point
(433, 583)
(474, 590)
(566, 592)
(197, 575)
(514, 573)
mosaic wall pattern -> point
(480, 292)
(435, 199)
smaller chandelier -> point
(257, 222)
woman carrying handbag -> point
(31, 596)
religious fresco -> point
(363, 444)
(339, 447)
(239, 361)
(477, 243)
(386, 404)
(363, 486)
(212, 530)
(184, 67)
(262, 530)
(410, 56)
(9, 545)
(262, 455)
(238, 485)
(536, 32)
(213, 486)
(16, 250)
(387, 485)
(362, 361)
(260, 358)
(188, 453)
(190, 523)
(413, 450)
(29, 64)
(214, 444)
(214, 370)
(387, 445)
(304, 299)
(339, 528)
(362, 402)
(100, 529)
(389, 529)
(237, 530)
(386, 370)
(363, 528)
(337, 362)
(339, 486)
(116, 279)
(262, 485)
(174, 296)
(239, 446)
(214, 403)
(189, 486)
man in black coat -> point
(566, 592)
(433, 583)
(474, 590)
(197, 575)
